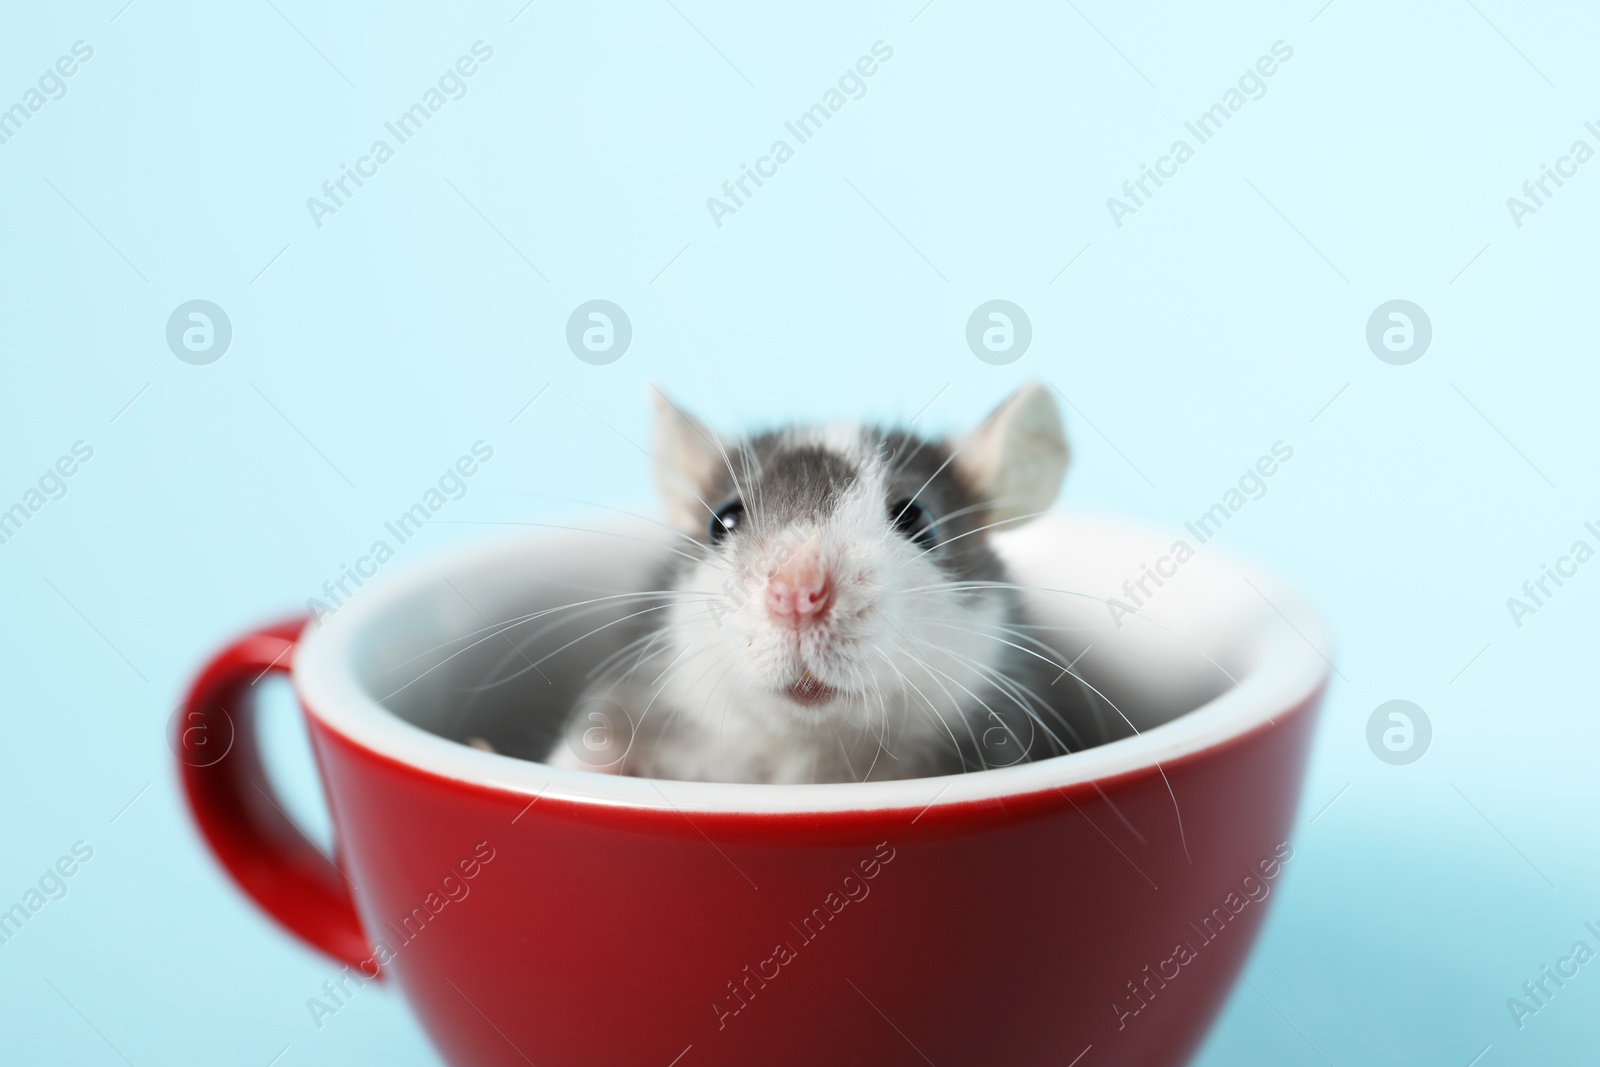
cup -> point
(1096, 905)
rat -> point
(834, 611)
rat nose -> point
(799, 591)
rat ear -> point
(1014, 460)
(687, 461)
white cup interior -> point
(1216, 649)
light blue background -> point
(376, 349)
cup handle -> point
(219, 761)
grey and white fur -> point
(834, 610)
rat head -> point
(844, 573)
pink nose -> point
(799, 591)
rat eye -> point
(913, 522)
(726, 520)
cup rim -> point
(1288, 672)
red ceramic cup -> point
(1098, 905)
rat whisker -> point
(585, 636)
(659, 680)
(727, 706)
(954, 744)
(669, 672)
(645, 660)
(641, 644)
(686, 483)
(1154, 620)
(928, 665)
(844, 753)
(902, 462)
(753, 471)
(937, 676)
(570, 612)
(1007, 687)
(494, 629)
(668, 527)
(1177, 812)
(638, 644)
(883, 718)
(1083, 682)
(648, 542)
(948, 460)
(866, 728)
(1016, 691)
(981, 506)
(673, 668)
(998, 718)
(708, 436)
(728, 664)
(531, 666)
(739, 489)
(1054, 657)
(520, 647)
(972, 628)
(987, 526)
